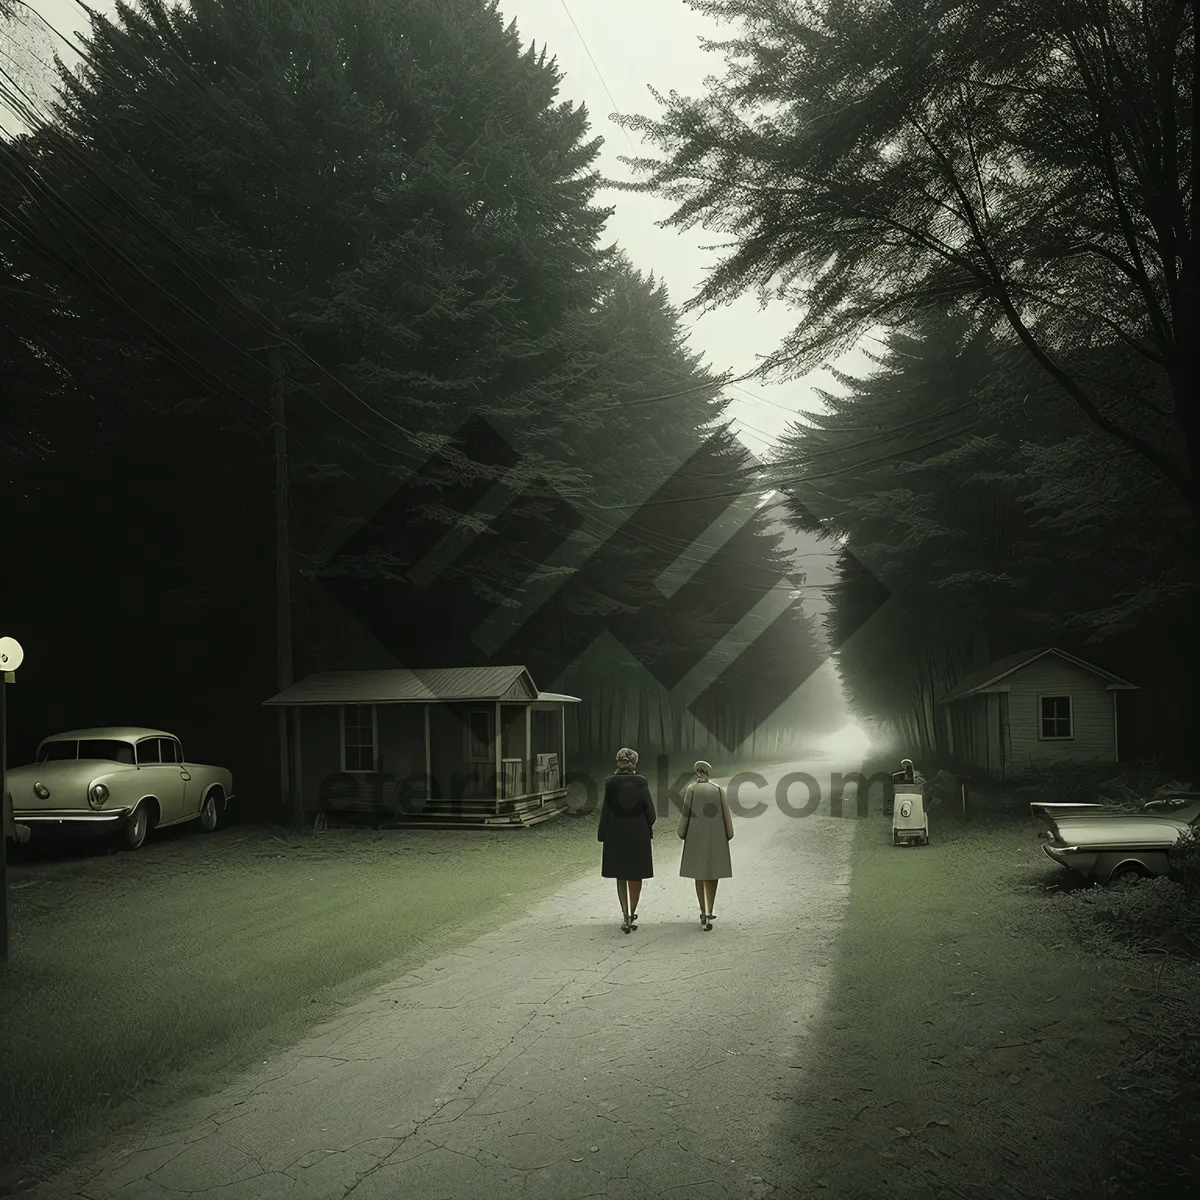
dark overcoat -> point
(626, 823)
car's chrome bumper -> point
(1075, 861)
(50, 818)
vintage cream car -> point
(122, 779)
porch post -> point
(562, 744)
(528, 768)
(499, 784)
(1116, 744)
(428, 763)
(297, 764)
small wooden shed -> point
(1030, 710)
(444, 746)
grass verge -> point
(136, 979)
(974, 1045)
(139, 978)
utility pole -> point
(283, 573)
(11, 657)
(5, 810)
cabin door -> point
(479, 754)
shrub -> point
(1086, 783)
(1185, 865)
(1154, 915)
(1139, 783)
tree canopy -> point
(1030, 165)
(393, 195)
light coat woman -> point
(626, 826)
(706, 827)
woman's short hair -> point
(625, 755)
(702, 768)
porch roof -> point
(403, 686)
(990, 675)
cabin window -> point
(481, 740)
(360, 734)
(1056, 721)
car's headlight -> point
(41, 791)
(97, 794)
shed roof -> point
(990, 675)
(404, 686)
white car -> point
(124, 779)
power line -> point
(198, 276)
(595, 67)
(763, 400)
(802, 479)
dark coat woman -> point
(626, 827)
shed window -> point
(1056, 717)
(359, 737)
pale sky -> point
(611, 52)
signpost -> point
(11, 656)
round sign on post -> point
(11, 654)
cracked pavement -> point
(555, 1056)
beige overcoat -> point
(706, 826)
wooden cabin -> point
(445, 747)
(1030, 710)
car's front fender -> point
(125, 790)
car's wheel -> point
(137, 827)
(210, 810)
(1127, 874)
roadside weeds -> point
(975, 1046)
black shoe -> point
(626, 924)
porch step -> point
(521, 820)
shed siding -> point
(1091, 713)
(320, 752)
(995, 757)
(969, 718)
(401, 740)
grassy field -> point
(134, 978)
(976, 1045)
(137, 978)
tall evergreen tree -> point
(1029, 163)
